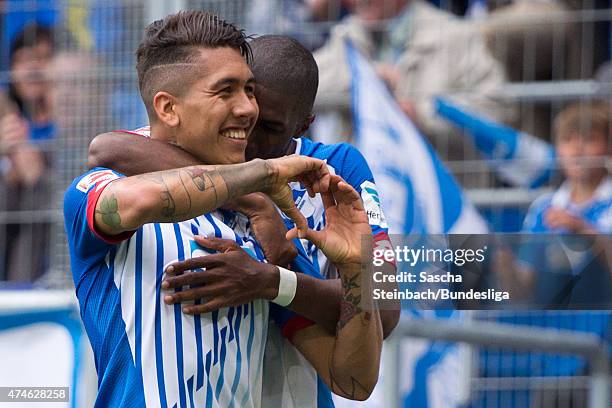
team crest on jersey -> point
(371, 203)
(101, 177)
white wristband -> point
(287, 285)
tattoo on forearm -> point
(351, 391)
(350, 305)
(109, 212)
(212, 185)
(197, 176)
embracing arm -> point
(131, 154)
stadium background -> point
(553, 52)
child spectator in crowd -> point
(583, 203)
(25, 122)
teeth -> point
(235, 133)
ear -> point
(305, 125)
(165, 109)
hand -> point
(409, 110)
(267, 226)
(346, 224)
(14, 130)
(557, 218)
(390, 74)
(231, 278)
(312, 173)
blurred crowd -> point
(54, 97)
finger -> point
(291, 234)
(328, 200)
(189, 295)
(346, 194)
(199, 262)
(298, 218)
(325, 182)
(216, 244)
(186, 279)
(318, 238)
(206, 307)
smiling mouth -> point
(238, 134)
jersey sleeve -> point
(288, 321)
(355, 170)
(79, 209)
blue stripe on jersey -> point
(230, 316)
(159, 353)
(197, 325)
(238, 354)
(178, 326)
(208, 386)
(215, 319)
(324, 397)
(214, 225)
(138, 297)
(190, 391)
(249, 347)
(221, 378)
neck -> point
(161, 132)
(583, 190)
(291, 147)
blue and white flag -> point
(518, 158)
(418, 193)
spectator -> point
(292, 18)
(583, 204)
(26, 120)
(420, 51)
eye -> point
(226, 91)
(250, 90)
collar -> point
(562, 197)
(298, 145)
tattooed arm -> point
(181, 194)
(348, 361)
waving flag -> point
(518, 158)
(418, 193)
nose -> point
(245, 107)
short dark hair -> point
(284, 65)
(31, 35)
(177, 39)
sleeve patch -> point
(371, 204)
(100, 178)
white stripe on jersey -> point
(233, 380)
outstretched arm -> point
(181, 194)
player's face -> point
(276, 125)
(217, 113)
(582, 154)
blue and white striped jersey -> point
(148, 353)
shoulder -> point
(94, 177)
(337, 153)
(533, 219)
(346, 159)
(80, 188)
